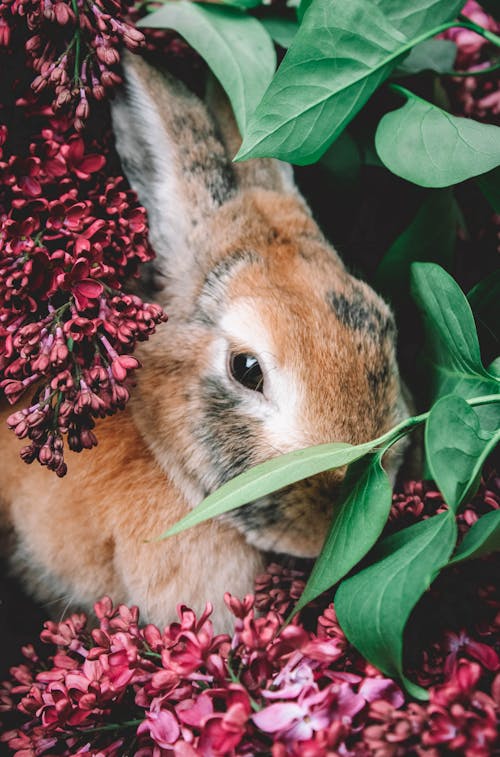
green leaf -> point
(428, 146)
(356, 526)
(484, 300)
(271, 476)
(431, 236)
(342, 52)
(415, 17)
(452, 344)
(489, 184)
(236, 46)
(373, 606)
(456, 447)
(482, 539)
(282, 30)
(301, 9)
(430, 55)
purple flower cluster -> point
(119, 688)
(72, 235)
(72, 47)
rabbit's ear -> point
(267, 173)
(171, 155)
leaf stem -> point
(77, 41)
(404, 91)
(466, 23)
(394, 434)
(109, 727)
(474, 72)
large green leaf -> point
(482, 539)
(269, 477)
(236, 46)
(342, 52)
(456, 447)
(373, 606)
(356, 526)
(428, 146)
(431, 236)
(413, 18)
(430, 55)
(452, 344)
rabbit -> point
(271, 346)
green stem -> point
(109, 727)
(78, 42)
(476, 72)
(466, 23)
(235, 679)
(462, 22)
(409, 424)
(405, 92)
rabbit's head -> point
(271, 345)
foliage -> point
(341, 55)
(240, 50)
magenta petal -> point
(382, 688)
(163, 727)
(277, 716)
(30, 186)
(485, 654)
(80, 270)
(196, 713)
(89, 288)
(349, 703)
(91, 163)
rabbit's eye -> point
(246, 370)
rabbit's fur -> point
(241, 267)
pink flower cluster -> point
(475, 96)
(72, 235)
(119, 688)
(73, 47)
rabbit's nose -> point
(323, 490)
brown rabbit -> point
(271, 346)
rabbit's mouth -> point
(294, 521)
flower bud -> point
(45, 454)
(108, 55)
(38, 84)
(82, 109)
(61, 469)
(63, 13)
(29, 453)
(122, 364)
